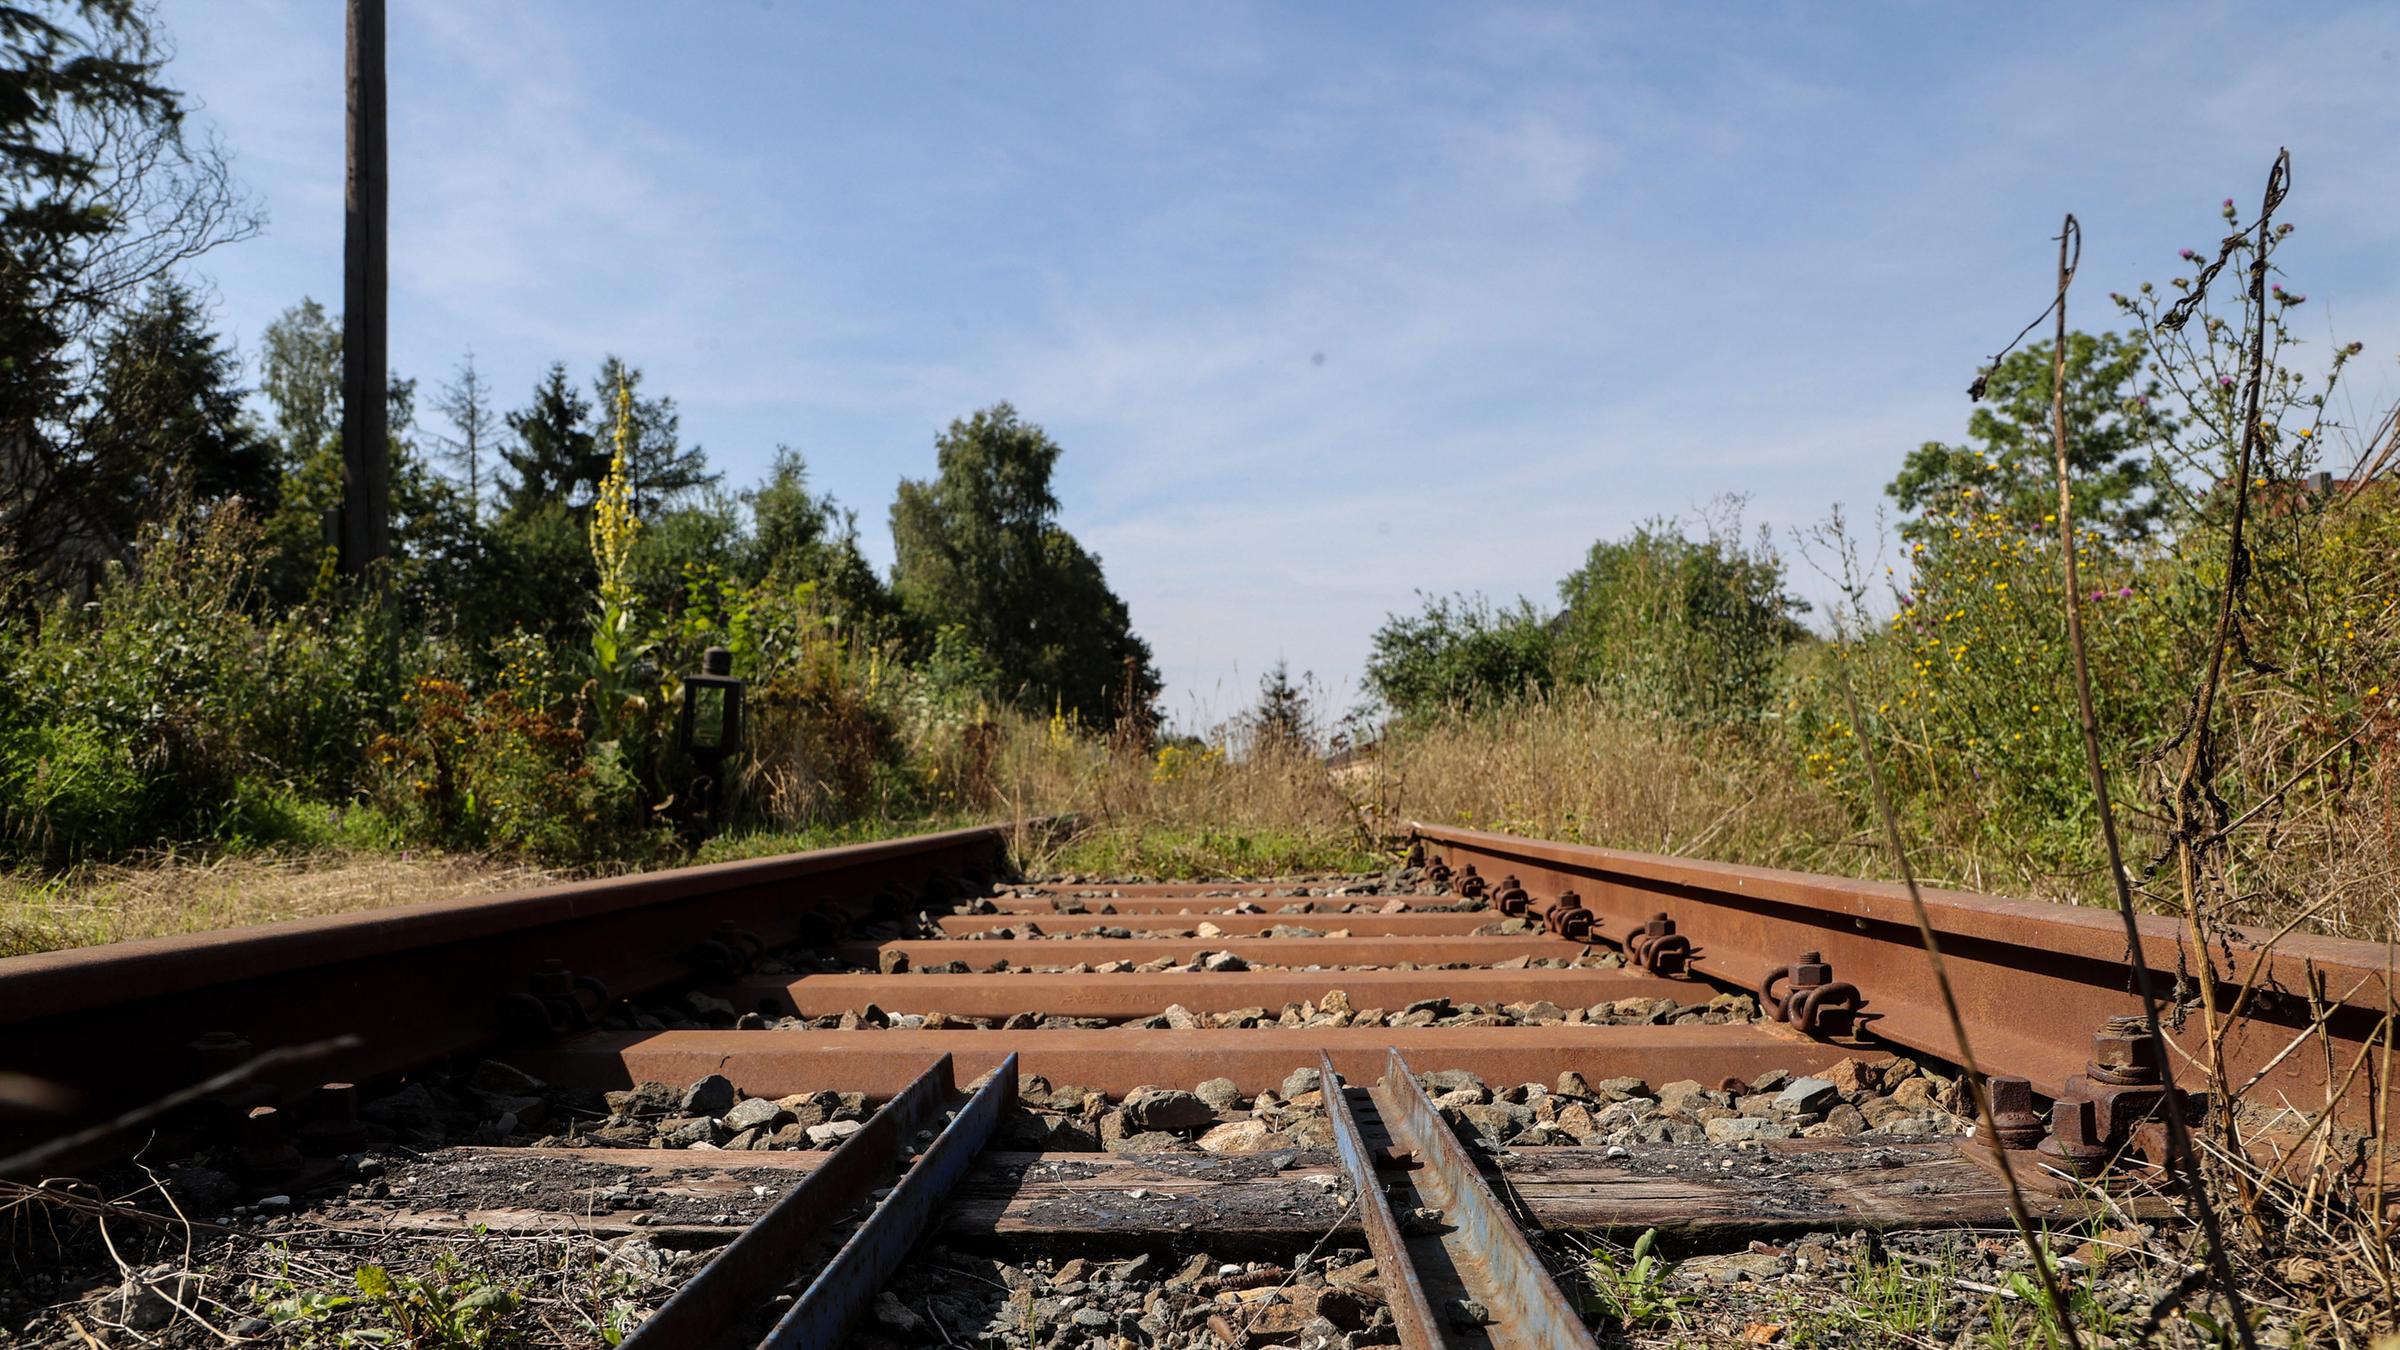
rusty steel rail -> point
(765, 1258)
(2036, 982)
(1413, 1318)
(113, 1027)
(1479, 1247)
(841, 1291)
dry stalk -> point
(1977, 1091)
(2182, 1159)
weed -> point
(451, 1306)
(1634, 1288)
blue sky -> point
(1327, 303)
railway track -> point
(1398, 1093)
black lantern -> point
(712, 708)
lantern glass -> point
(708, 717)
(712, 708)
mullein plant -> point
(616, 644)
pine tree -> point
(166, 425)
(466, 402)
(557, 459)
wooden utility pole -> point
(366, 533)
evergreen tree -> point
(798, 536)
(466, 402)
(1283, 718)
(100, 196)
(978, 550)
(556, 459)
(165, 425)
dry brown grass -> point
(120, 902)
(1571, 768)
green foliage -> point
(499, 770)
(1459, 653)
(300, 372)
(451, 1306)
(558, 459)
(2008, 466)
(1173, 852)
(1634, 1288)
(1689, 628)
(168, 709)
(166, 421)
(979, 550)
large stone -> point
(1667, 1130)
(711, 1096)
(1496, 1121)
(1452, 1080)
(1851, 1075)
(1685, 1097)
(1809, 1095)
(832, 1132)
(1150, 1141)
(1220, 1094)
(643, 1101)
(1237, 1136)
(758, 1113)
(409, 1108)
(1736, 1129)
(810, 1108)
(1166, 1109)
(1180, 1018)
(1300, 1080)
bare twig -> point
(39, 1156)
(2179, 1142)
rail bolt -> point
(1438, 872)
(333, 1128)
(2124, 1055)
(1512, 898)
(266, 1153)
(1656, 946)
(217, 1052)
(1470, 885)
(1812, 1000)
(1568, 918)
(2075, 1141)
(2015, 1125)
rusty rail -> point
(2037, 982)
(713, 1303)
(1478, 1246)
(1413, 1317)
(112, 1027)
